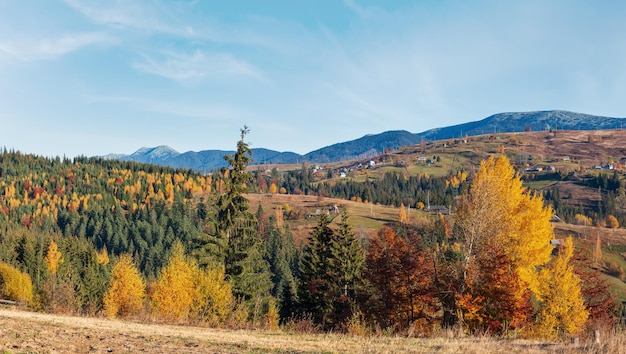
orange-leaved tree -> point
(126, 289)
(401, 275)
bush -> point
(611, 222)
(614, 269)
(581, 219)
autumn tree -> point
(402, 217)
(595, 290)
(126, 290)
(14, 284)
(214, 299)
(498, 217)
(53, 257)
(611, 222)
(562, 310)
(492, 299)
(175, 289)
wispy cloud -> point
(198, 66)
(48, 48)
(128, 14)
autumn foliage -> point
(126, 291)
(507, 256)
(15, 285)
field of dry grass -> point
(366, 219)
(27, 332)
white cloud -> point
(197, 67)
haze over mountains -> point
(371, 145)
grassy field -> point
(365, 218)
(27, 332)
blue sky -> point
(95, 77)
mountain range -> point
(374, 144)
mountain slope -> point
(366, 146)
(520, 121)
(374, 144)
(152, 155)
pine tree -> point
(348, 259)
(330, 270)
(316, 293)
(235, 240)
(281, 255)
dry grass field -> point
(27, 332)
(366, 219)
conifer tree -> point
(235, 240)
(316, 292)
(348, 257)
(330, 269)
(281, 255)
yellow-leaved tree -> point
(402, 215)
(175, 290)
(500, 217)
(126, 289)
(498, 211)
(15, 285)
(562, 309)
(214, 302)
(53, 258)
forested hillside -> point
(96, 236)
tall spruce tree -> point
(234, 239)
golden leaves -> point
(53, 258)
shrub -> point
(611, 222)
(581, 219)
